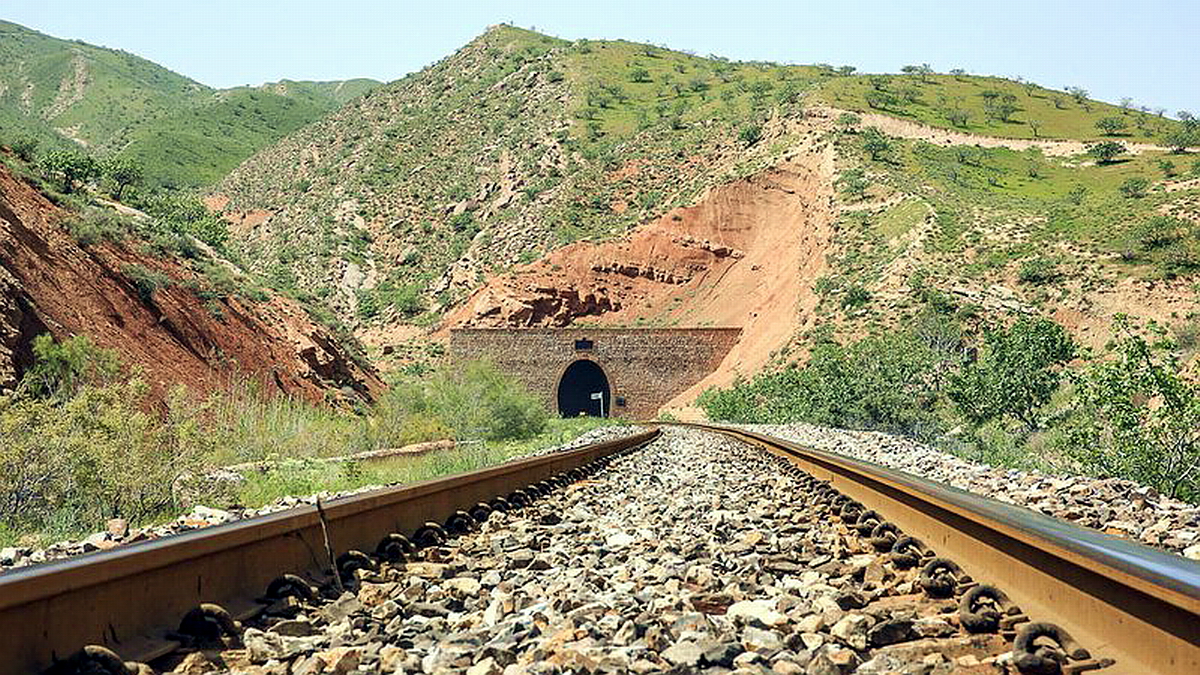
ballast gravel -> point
(693, 555)
(1111, 505)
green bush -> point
(1038, 271)
(92, 226)
(1137, 416)
(1017, 372)
(884, 382)
(62, 368)
(1134, 187)
(475, 400)
(97, 454)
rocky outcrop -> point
(50, 283)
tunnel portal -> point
(584, 390)
(635, 370)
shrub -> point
(883, 382)
(475, 400)
(67, 168)
(750, 134)
(92, 226)
(1106, 151)
(62, 368)
(1016, 374)
(853, 183)
(1134, 187)
(1137, 416)
(1038, 271)
(1158, 232)
(94, 455)
(145, 281)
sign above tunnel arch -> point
(643, 368)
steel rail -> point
(1137, 605)
(128, 598)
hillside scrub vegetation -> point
(1015, 395)
(83, 440)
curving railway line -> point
(1064, 599)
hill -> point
(586, 157)
(193, 320)
(186, 134)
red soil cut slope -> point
(48, 283)
(746, 254)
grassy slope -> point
(184, 133)
(1057, 113)
(582, 126)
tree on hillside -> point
(1034, 125)
(845, 71)
(958, 73)
(67, 168)
(1017, 372)
(1126, 104)
(879, 82)
(1111, 125)
(922, 71)
(639, 74)
(847, 122)
(1180, 139)
(123, 172)
(1078, 93)
(1105, 151)
(958, 117)
(876, 143)
(853, 183)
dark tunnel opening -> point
(578, 388)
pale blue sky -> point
(1147, 50)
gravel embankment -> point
(1118, 507)
(694, 555)
(119, 533)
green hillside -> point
(111, 102)
(508, 148)
(991, 106)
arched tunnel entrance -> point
(581, 381)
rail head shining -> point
(1138, 604)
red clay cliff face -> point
(48, 283)
(745, 255)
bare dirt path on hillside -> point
(901, 128)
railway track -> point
(1068, 599)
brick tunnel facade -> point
(631, 372)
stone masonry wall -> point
(646, 367)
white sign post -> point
(599, 396)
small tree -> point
(853, 183)
(123, 172)
(1017, 373)
(958, 73)
(1167, 167)
(847, 122)
(1138, 416)
(876, 143)
(1106, 151)
(1034, 125)
(1111, 125)
(639, 74)
(750, 134)
(67, 168)
(958, 117)
(1079, 94)
(1180, 139)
